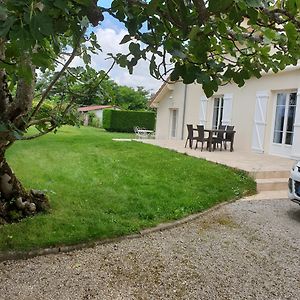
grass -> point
(100, 188)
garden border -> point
(19, 255)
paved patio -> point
(270, 172)
(247, 161)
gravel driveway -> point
(244, 250)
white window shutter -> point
(227, 109)
(260, 121)
(203, 109)
(296, 137)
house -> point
(97, 109)
(265, 112)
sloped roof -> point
(94, 107)
(166, 86)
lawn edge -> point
(23, 255)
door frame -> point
(171, 123)
(283, 150)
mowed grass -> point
(100, 188)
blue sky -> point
(109, 33)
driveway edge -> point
(18, 255)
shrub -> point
(125, 121)
(93, 119)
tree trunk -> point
(15, 202)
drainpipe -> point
(184, 104)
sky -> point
(109, 34)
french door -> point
(173, 121)
(283, 129)
(218, 112)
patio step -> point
(269, 174)
(272, 184)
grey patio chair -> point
(228, 136)
(200, 138)
(190, 136)
(219, 138)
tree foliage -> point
(211, 42)
(35, 35)
(89, 87)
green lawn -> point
(100, 188)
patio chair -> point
(152, 135)
(228, 136)
(139, 134)
(200, 138)
(190, 136)
(219, 138)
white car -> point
(294, 183)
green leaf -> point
(41, 24)
(41, 59)
(134, 48)
(83, 2)
(253, 3)
(292, 6)
(152, 6)
(86, 58)
(291, 31)
(125, 39)
(3, 13)
(25, 72)
(216, 6)
(5, 26)
(208, 89)
(62, 4)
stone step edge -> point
(272, 180)
(269, 174)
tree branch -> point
(55, 79)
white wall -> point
(99, 115)
(243, 106)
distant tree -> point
(85, 84)
(131, 99)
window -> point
(218, 112)
(285, 118)
(173, 122)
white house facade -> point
(265, 112)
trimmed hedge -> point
(125, 121)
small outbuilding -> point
(97, 110)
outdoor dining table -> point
(145, 133)
(216, 131)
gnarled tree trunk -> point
(15, 202)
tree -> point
(87, 85)
(35, 35)
(211, 42)
(128, 98)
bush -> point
(93, 119)
(125, 121)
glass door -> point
(283, 132)
(218, 112)
(174, 114)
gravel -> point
(244, 250)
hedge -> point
(125, 121)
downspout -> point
(184, 104)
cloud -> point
(109, 39)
